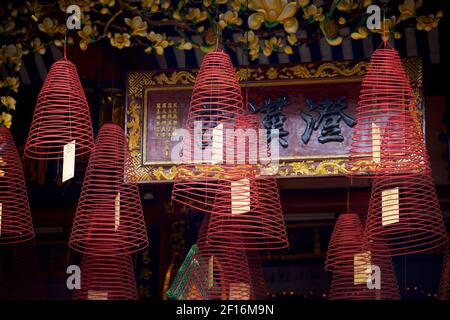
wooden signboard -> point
(312, 104)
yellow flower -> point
(159, 43)
(288, 50)
(346, 5)
(195, 15)
(252, 41)
(184, 45)
(229, 18)
(12, 54)
(342, 20)
(9, 102)
(85, 5)
(10, 82)
(429, 22)
(51, 27)
(138, 27)
(313, 13)
(408, 9)
(87, 34)
(386, 25)
(273, 12)
(150, 5)
(292, 39)
(270, 45)
(303, 3)
(236, 5)
(330, 30)
(6, 119)
(38, 46)
(120, 41)
(208, 3)
(360, 33)
(107, 3)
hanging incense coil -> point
(348, 251)
(109, 219)
(61, 115)
(404, 211)
(251, 220)
(107, 278)
(15, 218)
(227, 270)
(215, 105)
(387, 137)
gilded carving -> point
(139, 80)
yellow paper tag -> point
(217, 144)
(239, 291)
(97, 295)
(1, 211)
(240, 196)
(376, 143)
(69, 161)
(117, 212)
(390, 206)
(211, 272)
(361, 267)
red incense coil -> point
(255, 223)
(387, 137)
(404, 211)
(215, 105)
(347, 242)
(109, 219)
(107, 278)
(61, 115)
(15, 218)
(343, 288)
(227, 270)
(444, 285)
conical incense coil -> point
(15, 217)
(215, 105)
(227, 271)
(404, 211)
(248, 215)
(348, 251)
(107, 278)
(109, 219)
(61, 115)
(387, 137)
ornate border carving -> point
(340, 71)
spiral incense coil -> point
(215, 105)
(252, 221)
(348, 251)
(61, 115)
(227, 270)
(404, 211)
(444, 285)
(387, 137)
(15, 217)
(109, 219)
(343, 288)
(107, 278)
